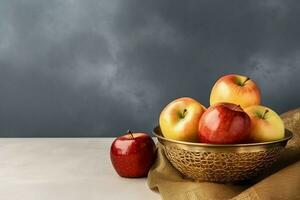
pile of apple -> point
(234, 116)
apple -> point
(133, 154)
(266, 125)
(224, 123)
(179, 119)
(237, 89)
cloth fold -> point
(282, 181)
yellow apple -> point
(179, 120)
(266, 125)
(237, 89)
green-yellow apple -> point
(236, 89)
(179, 119)
(266, 125)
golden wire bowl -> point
(221, 162)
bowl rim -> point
(287, 136)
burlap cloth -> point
(281, 182)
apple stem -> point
(266, 111)
(129, 132)
(247, 79)
(183, 113)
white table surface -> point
(64, 168)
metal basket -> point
(221, 162)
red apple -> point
(224, 123)
(132, 154)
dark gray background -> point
(98, 68)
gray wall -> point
(98, 68)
